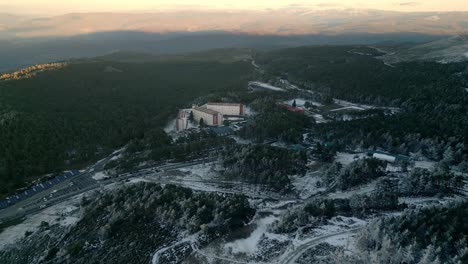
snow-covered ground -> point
(170, 127)
(240, 140)
(267, 86)
(300, 102)
(361, 107)
(319, 118)
(339, 231)
(98, 176)
(364, 189)
(349, 104)
(348, 108)
(425, 164)
(116, 157)
(249, 245)
(65, 214)
(206, 178)
(419, 202)
(307, 185)
(348, 158)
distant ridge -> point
(17, 54)
(288, 21)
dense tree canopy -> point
(66, 117)
(431, 95)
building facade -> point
(182, 120)
(210, 117)
(227, 109)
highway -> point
(79, 184)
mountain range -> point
(287, 21)
(26, 40)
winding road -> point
(291, 257)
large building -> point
(182, 119)
(227, 109)
(210, 117)
(213, 114)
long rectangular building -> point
(210, 117)
(228, 109)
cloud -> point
(408, 4)
(328, 4)
(432, 18)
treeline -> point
(319, 210)
(274, 122)
(263, 164)
(423, 182)
(31, 71)
(431, 235)
(335, 71)
(129, 224)
(71, 116)
(417, 182)
(157, 146)
(357, 173)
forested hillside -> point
(76, 114)
(431, 235)
(434, 102)
(129, 224)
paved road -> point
(65, 189)
(77, 185)
(299, 251)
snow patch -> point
(116, 157)
(65, 214)
(98, 176)
(267, 86)
(348, 158)
(424, 164)
(170, 127)
(365, 189)
(300, 102)
(249, 245)
(241, 141)
(319, 118)
(138, 180)
(307, 185)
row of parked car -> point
(38, 187)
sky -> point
(69, 6)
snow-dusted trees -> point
(431, 235)
(273, 122)
(263, 164)
(424, 182)
(357, 173)
(128, 224)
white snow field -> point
(65, 214)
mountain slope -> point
(453, 49)
(73, 115)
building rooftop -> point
(226, 104)
(206, 110)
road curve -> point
(299, 251)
